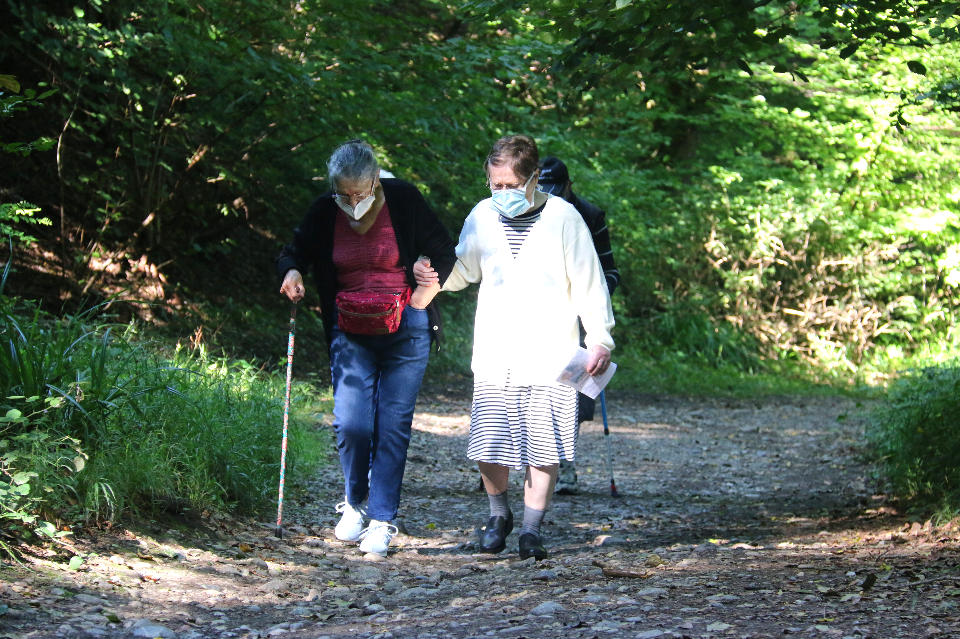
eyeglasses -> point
(499, 186)
(348, 198)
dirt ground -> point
(737, 519)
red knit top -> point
(369, 262)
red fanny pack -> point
(365, 313)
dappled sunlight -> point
(737, 519)
(444, 425)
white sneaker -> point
(351, 523)
(376, 537)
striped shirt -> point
(518, 227)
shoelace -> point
(384, 528)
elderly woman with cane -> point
(538, 270)
(361, 239)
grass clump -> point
(96, 421)
(205, 434)
(916, 432)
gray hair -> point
(353, 162)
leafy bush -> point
(917, 435)
(792, 214)
(19, 213)
(757, 216)
(37, 471)
(98, 423)
(209, 439)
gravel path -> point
(738, 519)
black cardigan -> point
(418, 230)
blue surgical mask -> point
(511, 202)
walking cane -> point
(286, 415)
(606, 438)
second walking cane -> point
(606, 438)
(286, 415)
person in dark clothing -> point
(362, 239)
(555, 179)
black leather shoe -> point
(532, 546)
(494, 538)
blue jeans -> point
(376, 379)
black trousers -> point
(585, 408)
(585, 405)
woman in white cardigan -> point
(534, 258)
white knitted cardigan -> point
(528, 306)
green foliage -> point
(36, 471)
(783, 223)
(664, 36)
(103, 422)
(185, 122)
(916, 432)
(190, 99)
(767, 212)
(21, 212)
(11, 104)
(210, 441)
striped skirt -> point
(520, 426)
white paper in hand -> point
(575, 374)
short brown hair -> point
(519, 151)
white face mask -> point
(358, 211)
